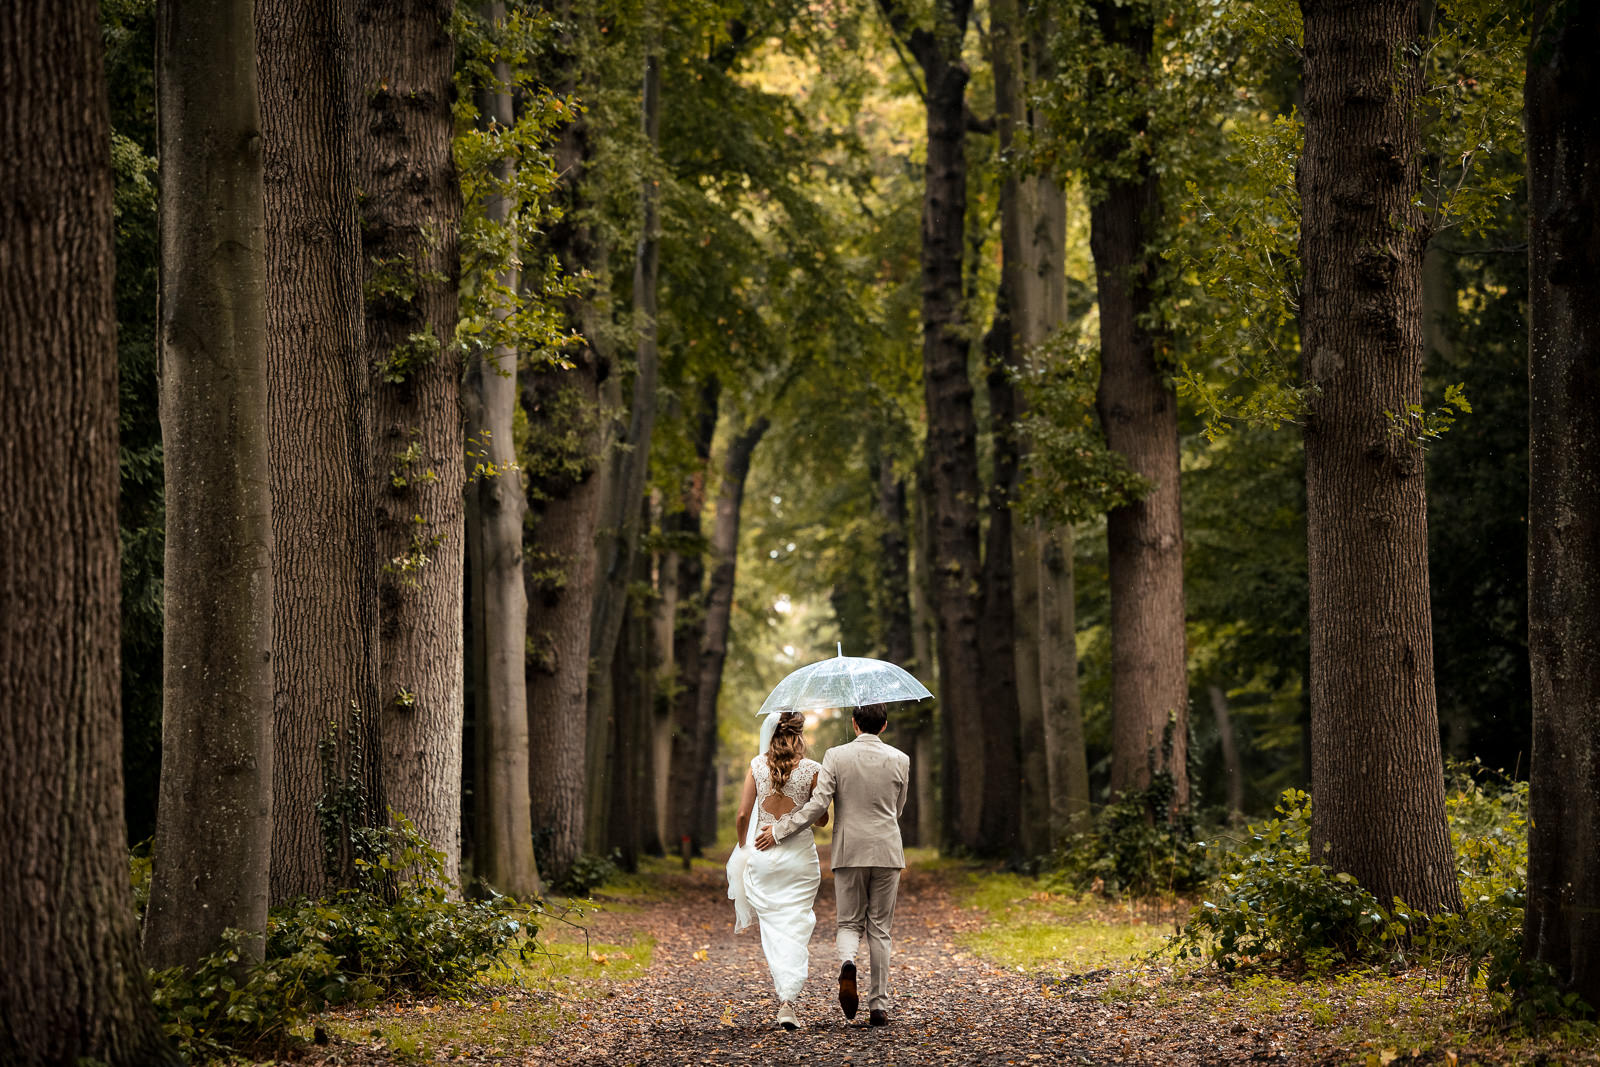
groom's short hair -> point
(872, 718)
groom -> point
(867, 782)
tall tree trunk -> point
(564, 441)
(663, 669)
(627, 465)
(1002, 758)
(319, 410)
(952, 430)
(1562, 925)
(503, 830)
(719, 610)
(1139, 414)
(1066, 756)
(214, 823)
(562, 406)
(898, 642)
(923, 745)
(688, 635)
(72, 988)
(410, 221)
(1379, 800)
(1025, 235)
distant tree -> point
(410, 210)
(325, 639)
(1562, 923)
(1379, 786)
(72, 989)
(214, 824)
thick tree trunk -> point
(1379, 800)
(564, 442)
(627, 463)
(1139, 414)
(1002, 724)
(502, 826)
(325, 603)
(563, 415)
(72, 988)
(688, 635)
(214, 824)
(410, 220)
(719, 611)
(1562, 924)
(898, 641)
(1066, 756)
(952, 430)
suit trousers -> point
(865, 896)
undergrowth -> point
(396, 931)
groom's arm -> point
(811, 810)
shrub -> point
(588, 873)
(1138, 846)
(1271, 903)
(397, 930)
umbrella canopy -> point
(843, 682)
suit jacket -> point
(867, 781)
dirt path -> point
(950, 1007)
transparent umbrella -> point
(843, 682)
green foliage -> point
(1272, 904)
(587, 873)
(1273, 908)
(1138, 847)
(396, 930)
(1072, 476)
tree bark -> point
(214, 823)
(73, 986)
(503, 829)
(952, 428)
(1002, 758)
(1139, 414)
(922, 745)
(1066, 756)
(719, 610)
(325, 603)
(1562, 923)
(410, 222)
(1379, 799)
(1026, 259)
(564, 441)
(688, 635)
(628, 457)
(562, 407)
(894, 571)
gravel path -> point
(951, 1008)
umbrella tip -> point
(840, 646)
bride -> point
(778, 886)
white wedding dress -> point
(778, 887)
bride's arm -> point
(747, 804)
(823, 821)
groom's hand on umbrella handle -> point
(764, 840)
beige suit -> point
(867, 781)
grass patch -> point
(1029, 925)
(523, 1001)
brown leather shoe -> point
(878, 1017)
(849, 999)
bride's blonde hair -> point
(788, 748)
